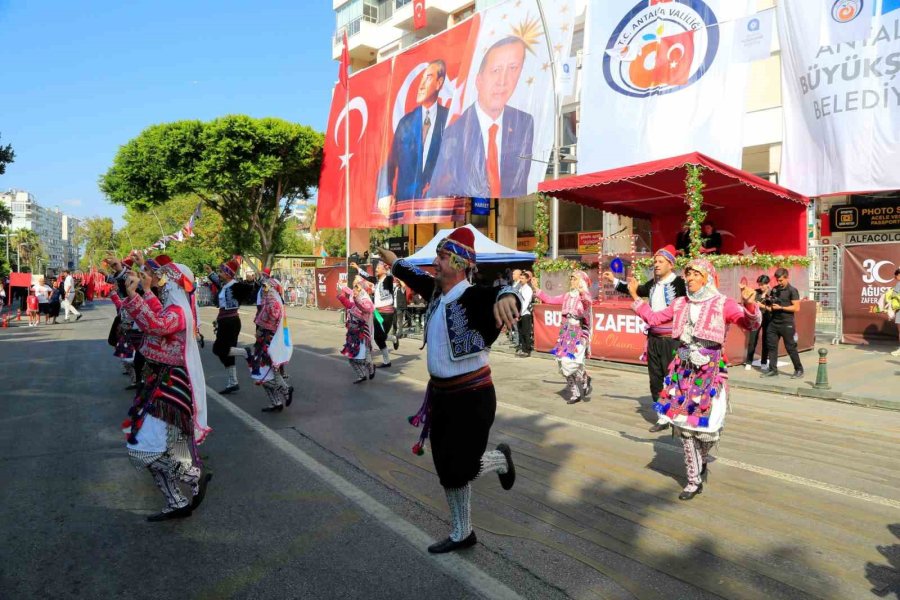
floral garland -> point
(541, 226)
(722, 261)
(695, 215)
(555, 265)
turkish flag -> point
(420, 20)
(674, 56)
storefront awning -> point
(751, 213)
(658, 187)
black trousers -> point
(381, 331)
(399, 322)
(460, 426)
(526, 333)
(660, 352)
(227, 332)
(784, 331)
(753, 337)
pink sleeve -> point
(116, 300)
(346, 301)
(365, 305)
(548, 299)
(653, 318)
(748, 318)
(161, 323)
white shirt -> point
(431, 113)
(485, 122)
(658, 294)
(438, 355)
(527, 293)
(42, 292)
(68, 284)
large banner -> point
(467, 113)
(662, 82)
(841, 98)
(868, 273)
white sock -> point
(460, 502)
(493, 460)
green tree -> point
(378, 237)
(99, 238)
(250, 171)
(334, 241)
(30, 251)
(6, 217)
(294, 241)
(6, 156)
(142, 229)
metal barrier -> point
(204, 295)
(825, 271)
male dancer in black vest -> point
(461, 323)
(660, 292)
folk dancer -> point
(694, 398)
(126, 335)
(384, 304)
(228, 321)
(660, 293)
(574, 341)
(168, 418)
(273, 348)
(462, 321)
(358, 343)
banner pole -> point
(347, 173)
(554, 203)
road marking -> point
(453, 565)
(804, 481)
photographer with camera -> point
(783, 302)
(753, 337)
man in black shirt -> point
(712, 239)
(784, 301)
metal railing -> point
(825, 273)
(352, 28)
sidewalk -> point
(857, 374)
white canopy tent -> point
(486, 250)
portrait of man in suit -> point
(487, 151)
(417, 142)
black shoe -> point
(201, 491)
(659, 427)
(290, 397)
(276, 408)
(797, 374)
(396, 342)
(383, 366)
(372, 370)
(230, 389)
(361, 379)
(704, 475)
(449, 545)
(508, 479)
(684, 495)
(769, 373)
(178, 513)
(78, 318)
(573, 400)
(589, 387)
(133, 386)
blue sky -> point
(81, 78)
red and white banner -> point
(420, 19)
(467, 113)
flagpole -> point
(557, 117)
(347, 171)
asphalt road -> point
(326, 500)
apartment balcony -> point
(437, 12)
(364, 37)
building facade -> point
(378, 29)
(55, 229)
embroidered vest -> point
(710, 325)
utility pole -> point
(557, 117)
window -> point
(401, 3)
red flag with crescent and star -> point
(380, 96)
(420, 19)
(674, 56)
